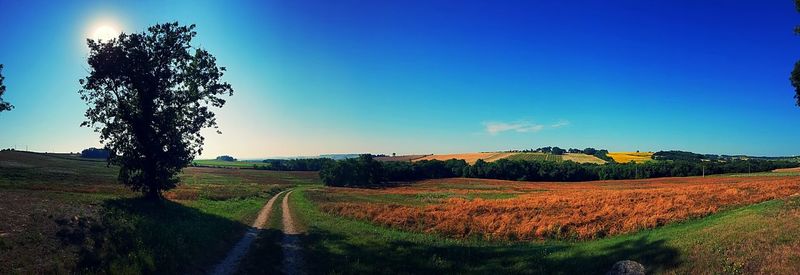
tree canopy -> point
(795, 76)
(4, 106)
(149, 95)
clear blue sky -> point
(438, 76)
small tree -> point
(4, 106)
(149, 96)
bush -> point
(95, 153)
(226, 158)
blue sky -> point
(411, 77)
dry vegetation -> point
(582, 158)
(505, 210)
(470, 158)
(400, 158)
(625, 157)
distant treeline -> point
(365, 171)
(315, 164)
(95, 153)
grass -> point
(74, 211)
(536, 157)
(340, 245)
(229, 164)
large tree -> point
(4, 106)
(149, 95)
(795, 76)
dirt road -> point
(232, 259)
(292, 257)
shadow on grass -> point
(335, 253)
(141, 236)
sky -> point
(422, 77)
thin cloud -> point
(559, 124)
(494, 128)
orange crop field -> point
(471, 158)
(511, 210)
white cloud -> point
(560, 123)
(494, 128)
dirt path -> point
(231, 261)
(292, 257)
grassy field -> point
(736, 238)
(761, 238)
(583, 158)
(535, 156)
(471, 158)
(625, 157)
(228, 164)
(73, 211)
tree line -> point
(365, 171)
(315, 164)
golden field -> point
(511, 210)
(625, 157)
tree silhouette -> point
(149, 95)
(4, 106)
(795, 76)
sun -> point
(105, 33)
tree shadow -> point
(136, 235)
(336, 253)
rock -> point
(626, 267)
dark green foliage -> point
(136, 236)
(795, 76)
(226, 158)
(149, 95)
(361, 171)
(95, 153)
(678, 155)
(4, 106)
(295, 164)
(346, 173)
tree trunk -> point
(153, 194)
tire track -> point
(290, 244)
(231, 262)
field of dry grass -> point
(400, 158)
(508, 210)
(470, 158)
(625, 157)
(582, 158)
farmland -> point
(755, 235)
(625, 157)
(745, 223)
(535, 156)
(504, 210)
(470, 158)
(63, 207)
(228, 164)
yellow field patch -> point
(625, 157)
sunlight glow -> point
(105, 33)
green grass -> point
(74, 211)
(229, 164)
(345, 246)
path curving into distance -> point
(290, 244)
(232, 259)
